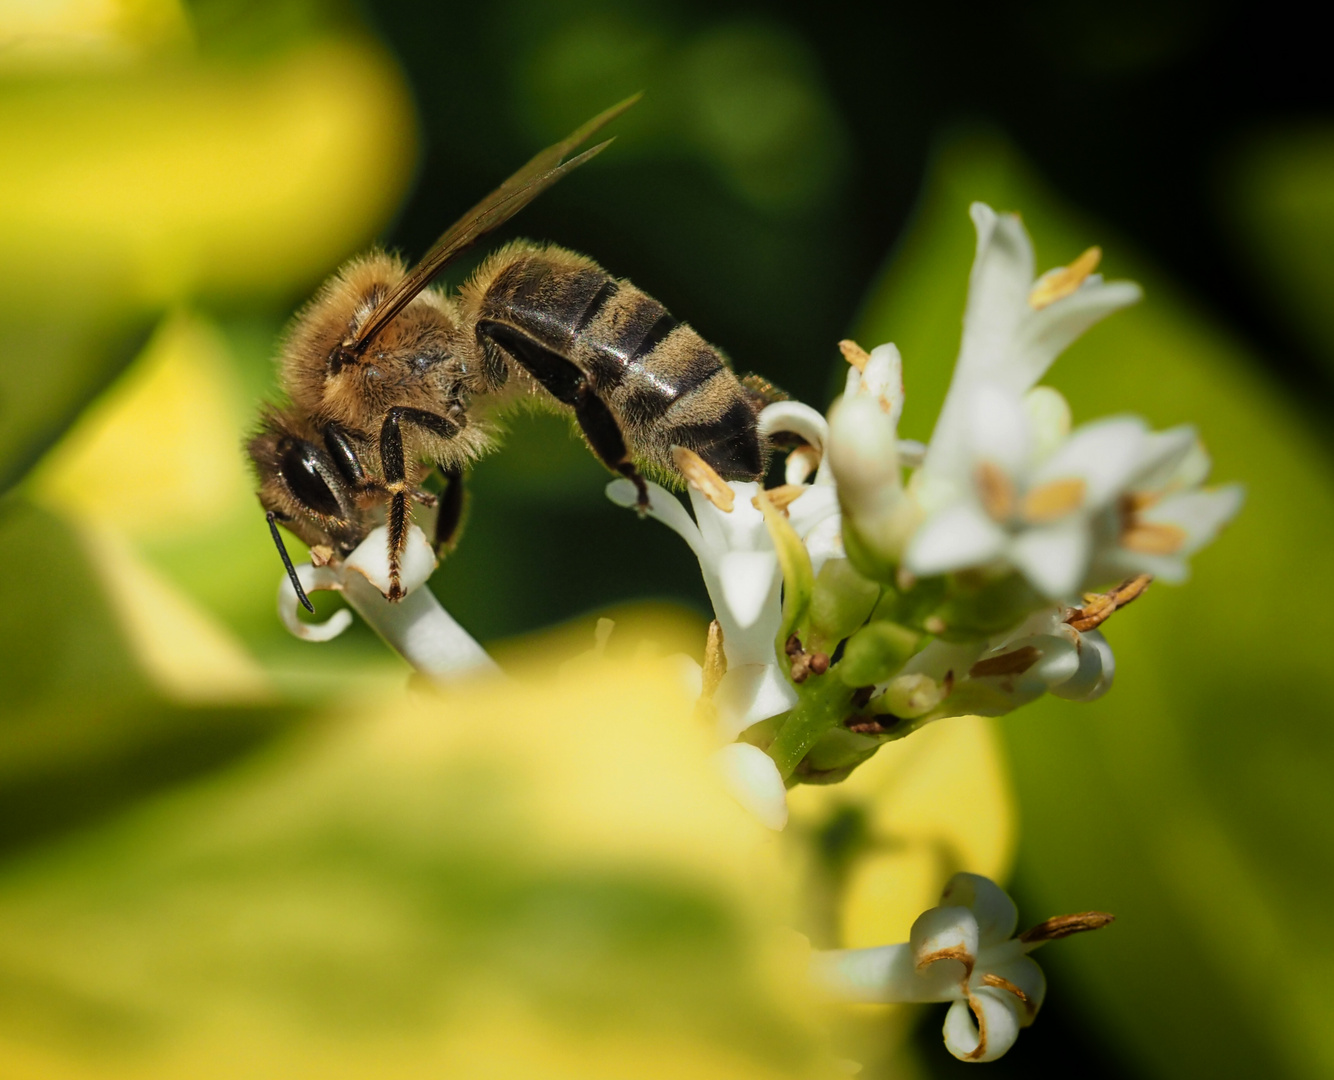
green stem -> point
(825, 701)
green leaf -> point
(83, 732)
(51, 366)
(1194, 800)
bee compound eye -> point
(301, 474)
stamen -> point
(781, 497)
(803, 461)
(1061, 282)
(1004, 984)
(320, 555)
(954, 952)
(854, 354)
(1153, 538)
(715, 660)
(995, 490)
(1052, 501)
(1010, 663)
(1060, 926)
(1098, 607)
(702, 477)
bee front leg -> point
(395, 477)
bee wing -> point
(502, 204)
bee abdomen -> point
(654, 372)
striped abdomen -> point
(570, 324)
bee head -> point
(302, 487)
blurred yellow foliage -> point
(178, 180)
(527, 879)
(160, 453)
(47, 34)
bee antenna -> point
(287, 562)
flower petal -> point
(1044, 334)
(996, 915)
(746, 579)
(1104, 455)
(371, 560)
(1054, 558)
(983, 1027)
(313, 579)
(998, 288)
(1162, 454)
(796, 417)
(945, 934)
(749, 693)
(998, 428)
(1200, 514)
(958, 536)
(882, 974)
(752, 779)
(1097, 666)
(1024, 974)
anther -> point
(1099, 607)
(995, 490)
(702, 477)
(1060, 926)
(780, 498)
(1062, 282)
(854, 354)
(1052, 501)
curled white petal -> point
(313, 579)
(797, 418)
(1044, 335)
(944, 934)
(752, 779)
(371, 560)
(988, 1035)
(1097, 667)
(996, 915)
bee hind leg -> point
(395, 477)
(604, 436)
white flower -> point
(1017, 494)
(740, 568)
(1043, 654)
(965, 952)
(417, 626)
(1013, 326)
(1164, 515)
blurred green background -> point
(178, 178)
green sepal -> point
(876, 652)
(798, 575)
(841, 602)
(864, 557)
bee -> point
(387, 378)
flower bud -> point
(875, 652)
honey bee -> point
(388, 378)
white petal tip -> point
(752, 779)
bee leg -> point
(395, 477)
(567, 384)
(344, 454)
(450, 515)
(604, 436)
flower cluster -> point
(888, 584)
(965, 951)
